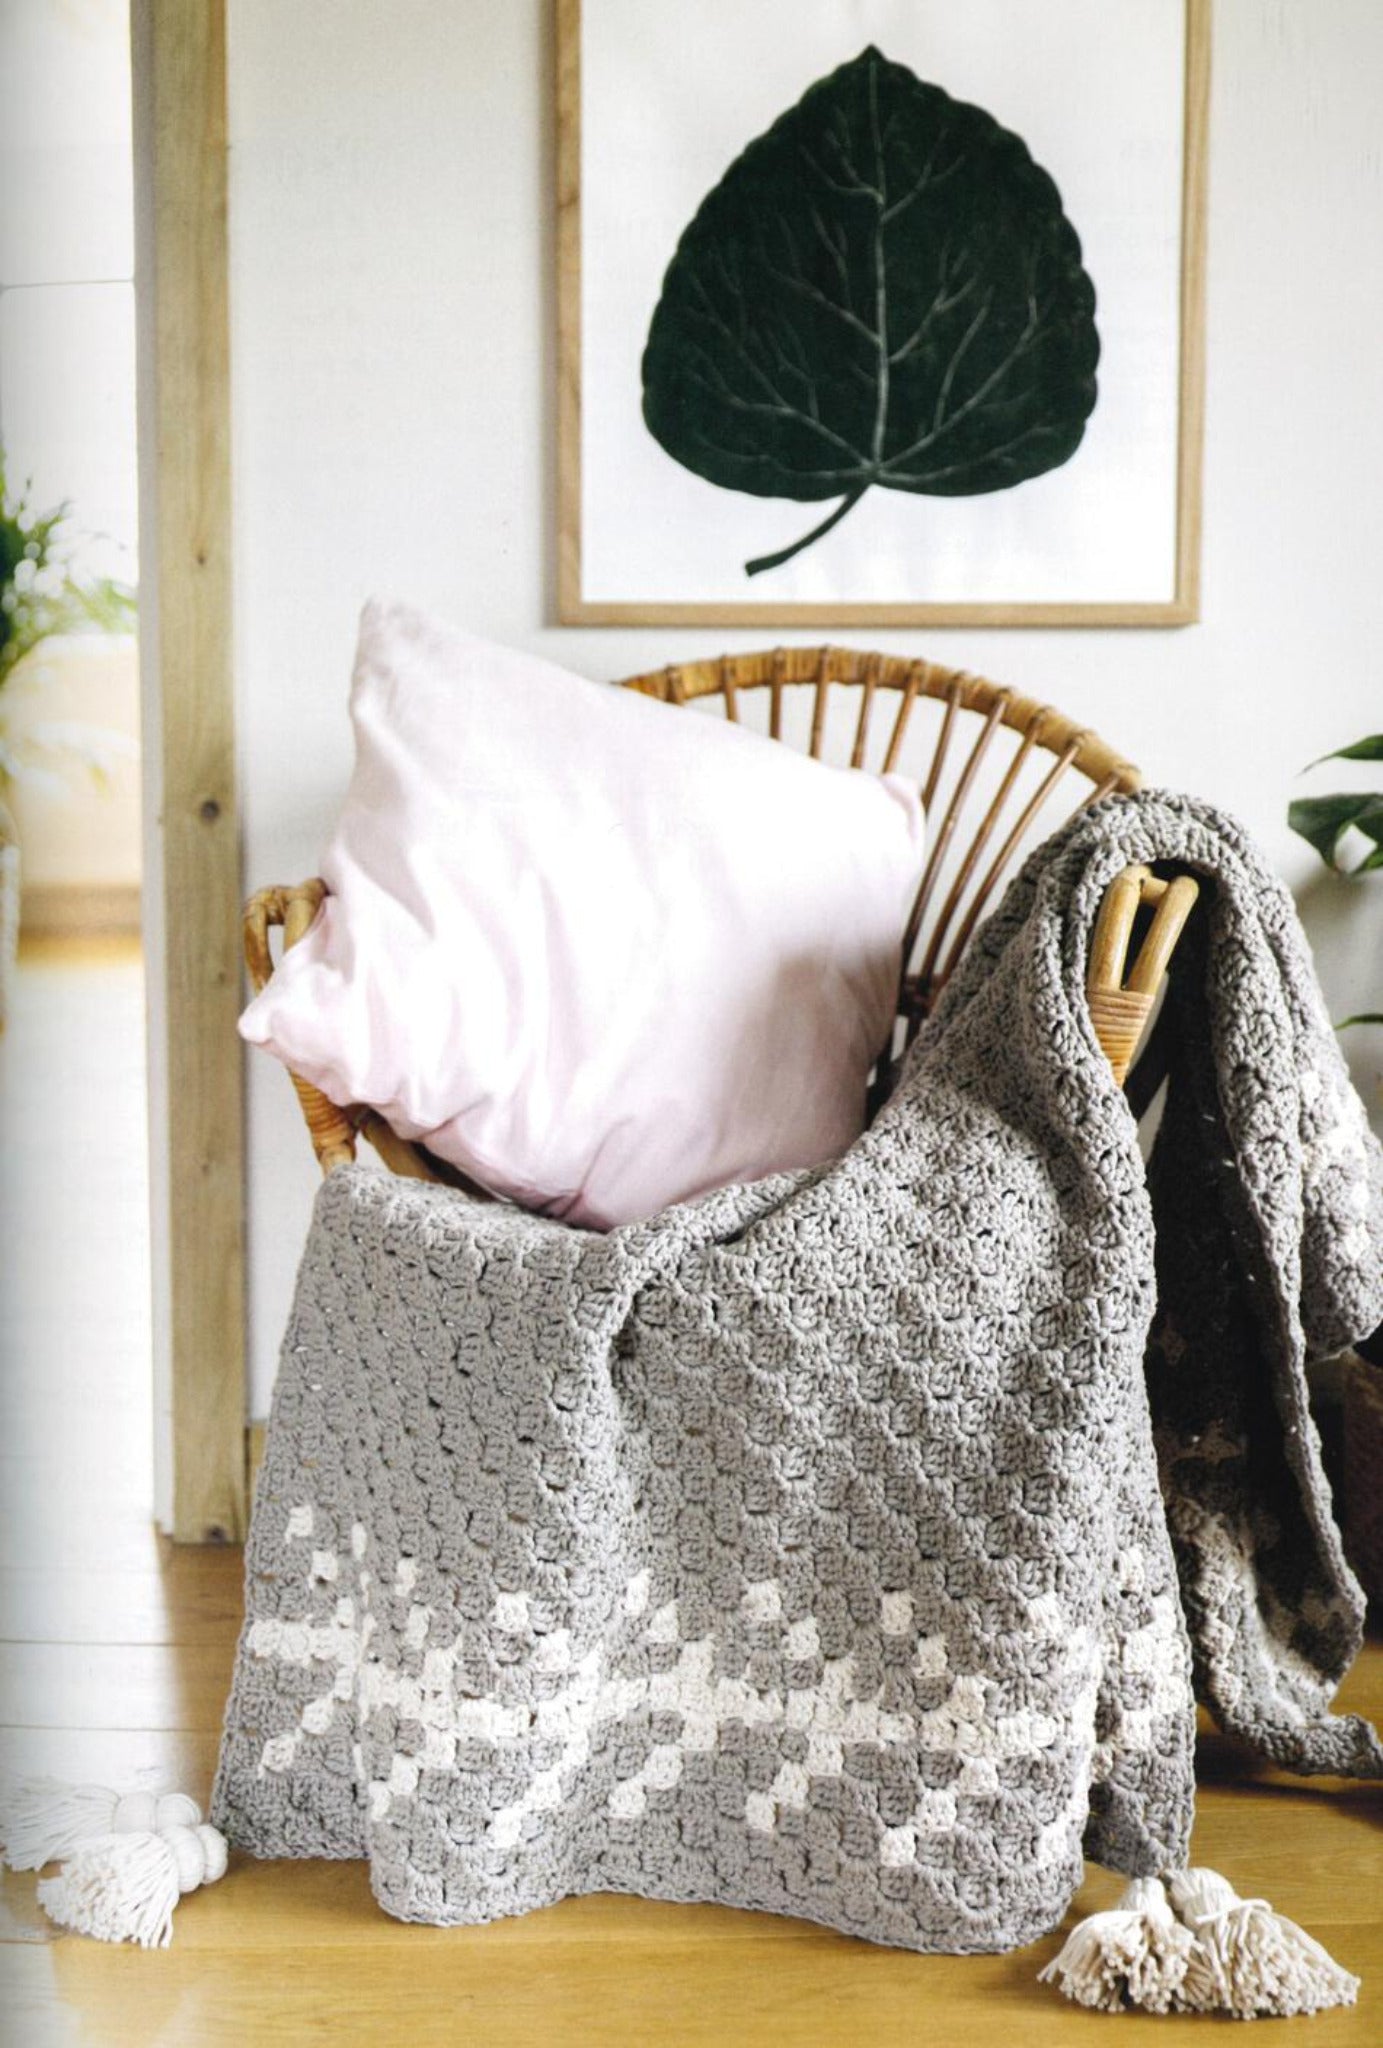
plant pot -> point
(9, 908)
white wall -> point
(67, 415)
(67, 411)
(393, 320)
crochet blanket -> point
(805, 1547)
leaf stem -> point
(762, 562)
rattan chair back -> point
(997, 770)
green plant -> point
(1323, 822)
(41, 598)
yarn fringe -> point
(42, 1819)
(126, 1859)
(1193, 1945)
(118, 1888)
(1250, 1961)
(1137, 1953)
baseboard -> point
(54, 907)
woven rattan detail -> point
(982, 810)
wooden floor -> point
(117, 1650)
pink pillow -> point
(599, 953)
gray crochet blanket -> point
(805, 1548)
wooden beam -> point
(193, 881)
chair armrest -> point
(292, 910)
(333, 1130)
(1120, 1005)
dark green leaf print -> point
(882, 290)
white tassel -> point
(117, 1887)
(43, 1820)
(123, 1887)
(127, 1859)
(1249, 1960)
(1135, 1954)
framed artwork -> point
(881, 311)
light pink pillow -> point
(599, 953)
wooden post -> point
(192, 886)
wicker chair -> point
(987, 795)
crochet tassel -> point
(1249, 1960)
(1135, 1954)
(42, 1820)
(128, 1858)
(124, 1887)
(1215, 1953)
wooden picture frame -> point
(1179, 607)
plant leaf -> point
(1370, 749)
(1323, 821)
(882, 290)
(1364, 1017)
(40, 598)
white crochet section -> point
(339, 1643)
(1236, 1630)
(824, 1711)
(1158, 1653)
(963, 1727)
(1343, 1143)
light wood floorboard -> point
(115, 1649)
